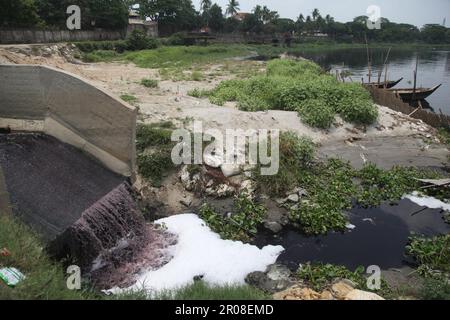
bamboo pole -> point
(368, 58)
(415, 78)
(386, 68)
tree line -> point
(181, 15)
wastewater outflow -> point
(378, 238)
(111, 241)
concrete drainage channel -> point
(67, 158)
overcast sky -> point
(417, 12)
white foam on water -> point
(426, 201)
(201, 252)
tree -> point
(252, 24)
(19, 13)
(217, 20)
(434, 33)
(205, 5)
(232, 8)
(172, 15)
(315, 14)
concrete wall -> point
(50, 36)
(71, 110)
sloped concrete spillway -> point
(85, 212)
(66, 164)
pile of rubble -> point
(279, 281)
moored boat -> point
(417, 94)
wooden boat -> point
(419, 94)
(387, 84)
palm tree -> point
(301, 18)
(315, 14)
(205, 5)
(232, 8)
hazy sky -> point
(417, 12)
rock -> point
(230, 170)
(326, 295)
(349, 282)
(293, 198)
(276, 279)
(297, 293)
(362, 295)
(248, 185)
(275, 227)
(213, 160)
(341, 289)
(278, 272)
(224, 190)
(187, 201)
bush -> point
(358, 110)
(149, 83)
(299, 86)
(316, 113)
(296, 154)
(138, 40)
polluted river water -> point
(376, 236)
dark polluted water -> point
(379, 238)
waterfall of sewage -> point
(111, 242)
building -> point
(135, 21)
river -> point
(433, 68)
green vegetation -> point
(45, 279)
(201, 291)
(154, 150)
(332, 186)
(182, 57)
(296, 155)
(198, 93)
(196, 76)
(436, 288)
(129, 98)
(320, 276)
(150, 83)
(242, 225)
(432, 254)
(302, 87)
(433, 258)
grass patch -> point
(198, 93)
(300, 86)
(150, 83)
(154, 150)
(45, 279)
(183, 56)
(242, 225)
(196, 76)
(100, 56)
(129, 98)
